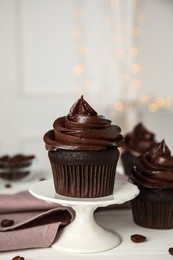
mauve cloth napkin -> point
(36, 223)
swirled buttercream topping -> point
(155, 168)
(140, 140)
(83, 129)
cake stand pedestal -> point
(83, 234)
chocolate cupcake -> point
(137, 142)
(153, 174)
(83, 153)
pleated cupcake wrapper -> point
(152, 215)
(84, 181)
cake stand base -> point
(83, 234)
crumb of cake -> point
(137, 238)
(7, 222)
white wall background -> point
(156, 48)
(38, 54)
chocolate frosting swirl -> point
(155, 168)
(82, 129)
(140, 140)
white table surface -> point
(156, 246)
(120, 221)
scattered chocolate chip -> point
(138, 238)
(170, 250)
(18, 258)
(42, 179)
(7, 222)
(7, 185)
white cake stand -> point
(83, 234)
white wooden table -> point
(156, 246)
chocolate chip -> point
(42, 179)
(7, 222)
(18, 258)
(138, 238)
(170, 250)
(7, 185)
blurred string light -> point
(128, 61)
(152, 104)
(82, 50)
(121, 57)
(122, 23)
(157, 103)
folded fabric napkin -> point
(35, 223)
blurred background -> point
(117, 53)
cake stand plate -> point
(83, 234)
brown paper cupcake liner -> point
(84, 181)
(151, 214)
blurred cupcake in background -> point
(136, 142)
